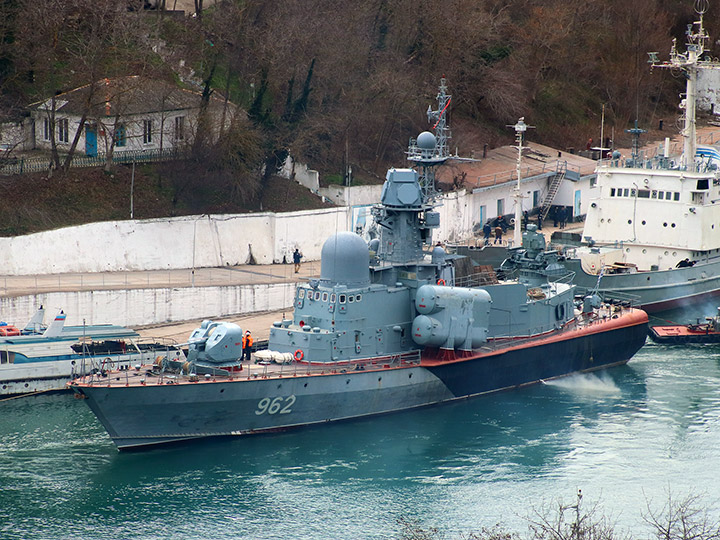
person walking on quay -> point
(296, 259)
(247, 342)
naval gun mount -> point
(533, 263)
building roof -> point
(129, 95)
(500, 165)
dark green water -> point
(624, 437)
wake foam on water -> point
(586, 383)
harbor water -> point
(627, 437)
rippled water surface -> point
(625, 437)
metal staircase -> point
(560, 173)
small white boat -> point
(39, 358)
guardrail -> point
(26, 165)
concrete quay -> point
(156, 302)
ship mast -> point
(520, 129)
(690, 62)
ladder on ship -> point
(560, 173)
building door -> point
(482, 214)
(91, 140)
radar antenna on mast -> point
(690, 63)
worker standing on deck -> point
(247, 342)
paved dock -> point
(250, 274)
(258, 323)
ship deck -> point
(152, 375)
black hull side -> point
(527, 365)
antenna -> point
(520, 128)
(690, 62)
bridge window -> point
(342, 298)
(324, 297)
(301, 293)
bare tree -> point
(682, 519)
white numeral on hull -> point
(278, 405)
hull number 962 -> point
(278, 405)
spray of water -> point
(587, 383)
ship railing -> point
(614, 298)
(157, 374)
(300, 368)
(478, 279)
(94, 366)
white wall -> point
(228, 240)
(353, 195)
(161, 244)
(138, 307)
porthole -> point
(674, 253)
(351, 298)
(644, 251)
(672, 225)
(667, 253)
(627, 250)
(643, 222)
(358, 298)
(665, 224)
(629, 221)
(602, 220)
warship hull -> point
(658, 290)
(138, 410)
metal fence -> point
(25, 165)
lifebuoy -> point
(298, 355)
(560, 312)
(441, 282)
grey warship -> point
(390, 325)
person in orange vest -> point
(247, 342)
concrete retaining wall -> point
(138, 307)
(206, 241)
(162, 244)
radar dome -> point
(345, 260)
(426, 141)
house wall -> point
(162, 133)
(12, 136)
